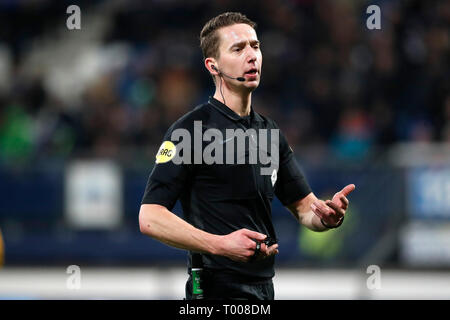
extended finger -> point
(254, 234)
(347, 189)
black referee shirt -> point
(222, 198)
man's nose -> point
(251, 55)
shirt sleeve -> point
(291, 184)
(167, 179)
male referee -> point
(228, 228)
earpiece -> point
(241, 79)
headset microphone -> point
(241, 79)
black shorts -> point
(218, 285)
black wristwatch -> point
(334, 227)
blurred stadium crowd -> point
(112, 88)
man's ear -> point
(211, 65)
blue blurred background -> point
(82, 114)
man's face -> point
(240, 55)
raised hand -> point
(331, 212)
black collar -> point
(230, 113)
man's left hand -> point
(332, 211)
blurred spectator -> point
(354, 136)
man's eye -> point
(237, 49)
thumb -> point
(347, 189)
(254, 234)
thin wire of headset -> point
(221, 79)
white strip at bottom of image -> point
(169, 284)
